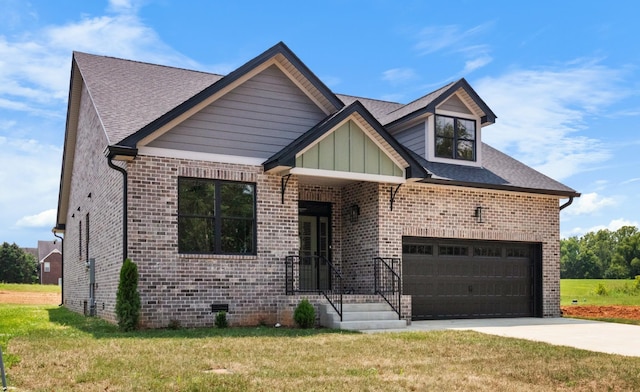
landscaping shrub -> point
(305, 314)
(127, 297)
(602, 290)
(221, 319)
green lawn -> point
(585, 292)
(45, 288)
(52, 349)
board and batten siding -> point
(348, 149)
(413, 138)
(256, 119)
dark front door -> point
(314, 231)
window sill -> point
(216, 256)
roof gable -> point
(348, 148)
(256, 119)
(367, 124)
(279, 55)
(428, 104)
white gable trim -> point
(301, 171)
(199, 156)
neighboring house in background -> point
(50, 262)
(250, 191)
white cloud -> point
(550, 107)
(632, 180)
(589, 203)
(399, 75)
(613, 225)
(451, 39)
(478, 62)
(436, 38)
(44, 219)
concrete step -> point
(361, 317)
(371, 324)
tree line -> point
(603, 254)
(16, 265)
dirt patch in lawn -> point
(609, 311)
(29, 298)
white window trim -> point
(431, 137)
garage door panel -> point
(478, 282)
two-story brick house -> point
(252, 190)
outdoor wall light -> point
(354, 213)
(478, 215)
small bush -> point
(174, 324)
(127, 297)
(602, 290)
(305, 314)
(637, 284)
(221, 320)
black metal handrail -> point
(314, 274)
(387, 282)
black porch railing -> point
(387, 281)
(314, 274)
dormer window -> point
(455, 138)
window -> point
(453, 250)
(517, 252)
(86, 225)
(488, 251)
(455, 138)
(80, 240)
(216, 216)
(417, 249)
(47, 266)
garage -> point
(450, 279)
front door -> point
(314, 230)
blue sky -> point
(562, 77)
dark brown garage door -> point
(469, 279)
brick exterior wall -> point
(91, 174)
(181, 288)
(448, 212)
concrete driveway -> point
(610, 338)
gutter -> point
(55, 234)
(567, 204)
(123, 154)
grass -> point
(585, 292)
(51, 348)
(37, 288)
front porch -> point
(342, 306)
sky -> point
(563, 78)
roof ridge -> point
(358, 97)
(146, 63)
(426, 95)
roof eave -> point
(509, 188)
(68, 154)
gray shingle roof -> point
(129, 95)
(46, 247)
(378, 108)
(498, 171)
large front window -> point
(216, 216)
(455, 138)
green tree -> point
(127, 297)
(16, 265)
